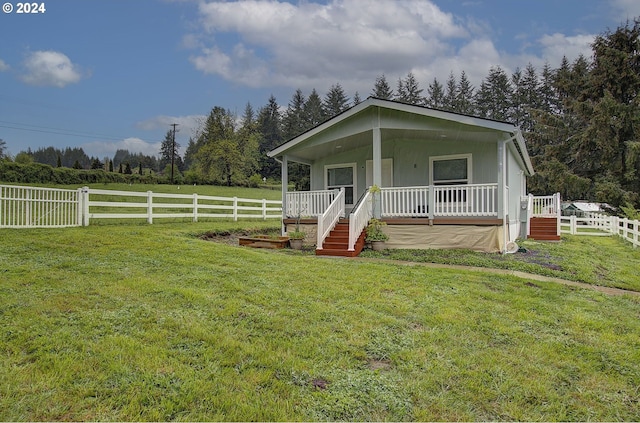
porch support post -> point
(377, 165)
(285, 184)
(502, 187)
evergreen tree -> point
(293, 122)
(356, 99)
(169, 150)
(269, 125)
(110, 165)
(140, 168)
(381, 88)
(435, 95)
(493, 100)
(449, 101)
(313, 113)
(409, 90)
(127, 169)
(335, 102)
(464, 99)
(59, 161)
(3, 146)
(96, 164)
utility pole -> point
(173, 149)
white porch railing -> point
(440, 201)
(308, 203)
(327, 220)
(359, 218)
(545, 206)
(404, 202)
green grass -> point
(152, 323)
(605, 261)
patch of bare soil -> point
(536, 257)
(230, 237)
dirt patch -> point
(231, 237)
(320, 384)
(374, 364)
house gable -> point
(353, 129)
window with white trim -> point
(341, 176)
(451, 170)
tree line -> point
(580, 120)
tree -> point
(169, 150)
(493, 100)
(269, 125)
(96, 164)
(409, 90)
(381, 88)
(3, 146)
(435, 95)
(464, 101)
(293, 122)
(313, 113)
(356, 99)
(335, 102)
(449, 100)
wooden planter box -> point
(264, 241)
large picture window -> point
(451, 170)
(342, 176)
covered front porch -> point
(403, 209)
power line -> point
(61, 131)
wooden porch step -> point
(544, 229)
(337, 243)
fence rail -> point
(46, 207)
(596, 224)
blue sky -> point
(109, 74)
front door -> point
(342, 176)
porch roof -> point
(354, 129)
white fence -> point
(30, 207)
(45, 207)
(451, 200)
(596, 224)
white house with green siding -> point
(446, 180)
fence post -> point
(264, 209)
(85, 206)
(149, 207)
(195, 207)
(235, 209)
(635, 234)
(432, 201)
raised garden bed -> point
(264, 241)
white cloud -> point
(50, 68)
(309, 44)
(3, 66)
(108, 148)
(558, 45)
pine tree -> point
(493, 100)
(269, 125)
(293, 122)
(464, 102)
(449, 101)
(356, 99)
(409, 90)
(313, 113)
(169, 150)
(435, 95)
(381, 89)
(335, 102)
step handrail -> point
(359, 218)
(327, 221)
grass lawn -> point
(149, 322)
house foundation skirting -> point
(477, 234)
(484, 238)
